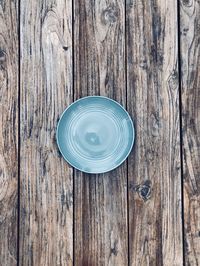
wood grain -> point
(155, 223)
(8, 131)
(190, 81)
(46, 198)
(101, 236)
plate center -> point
(95, 134)
(92, 138)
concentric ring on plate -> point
(95, 134)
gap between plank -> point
(127, 177)
(73, 174)
(180, 119)
(19, 140)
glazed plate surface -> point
(95, 134)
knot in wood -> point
(185, 31)
(2, 54)
(186, 2)
(144, 190)
(113, 249)
(2, 58)
(110, 15)
(173, 80)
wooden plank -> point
(155, 223)
(46, 220)
(190, 81)
(100, 200)
(8, 131)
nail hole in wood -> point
(65, 48)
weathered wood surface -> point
(99, 69)
(46, 194)
(190, 87)
(8, 131)
(154, 170)
(126, 50)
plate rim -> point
(102, 97)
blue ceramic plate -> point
(95, 134)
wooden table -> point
(144, 54)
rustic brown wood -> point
(109, 38)
(46, 198)
(100, 200)
(190, 81)
(8, 131)
(155, 223)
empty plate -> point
(95, 134)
